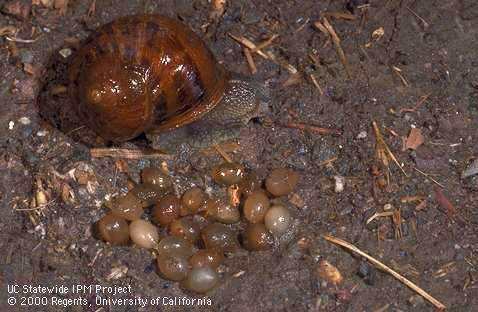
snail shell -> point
(144, 73)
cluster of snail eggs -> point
(191, 251)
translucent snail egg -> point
(147, 194)
(157, 178)
(228, 173)
(175, 245)
(185, 228)
(222, 211)
(206, 257)
(282, 181)
(192, 201)
(249, 184)
(113, 229)
(143, 233)
(277, 220)
(174, 267)
(166, 210)
(256, 206)
(127, 206)
(257, 237)
(201, 279)
(219, 237)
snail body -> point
(152, 74)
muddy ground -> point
(425, 61)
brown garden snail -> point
(152, 74)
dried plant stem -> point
(338, 47)
(228, 147)
(264, 44)
(249, 44)
(425, 23)
(385, 268)
(429, 177)
(128, 153)
(268, 55)
(398, 72)
(328, 161)
(379, 215)
(419, 103)
(316, 84)
(341, 15)
(250, 61)
(223, 153)
(19, 40)
(382, 147)
(319, 130)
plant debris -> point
(385, 268)
(415, 139)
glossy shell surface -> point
(143, 73)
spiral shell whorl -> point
(144, 73)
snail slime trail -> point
(168, 86)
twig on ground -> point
(265, 43)
(385, 268)
(15, 39)
(248, 44)
(425, 24)
(341, 15)
(398, 72)
(316, 84)
(338, 47)
(429, 177)
(316, 129)
(222, 153)
(128, 153)
(382, 149)
(250, 61)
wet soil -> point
(427, 51)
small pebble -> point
(339, 183)
(26, 56)
(24, 121)
(416, 300)
(329, 272)
(362, 135)
(471, 170)
(66, 52)
(366, 272)
(387, 207)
